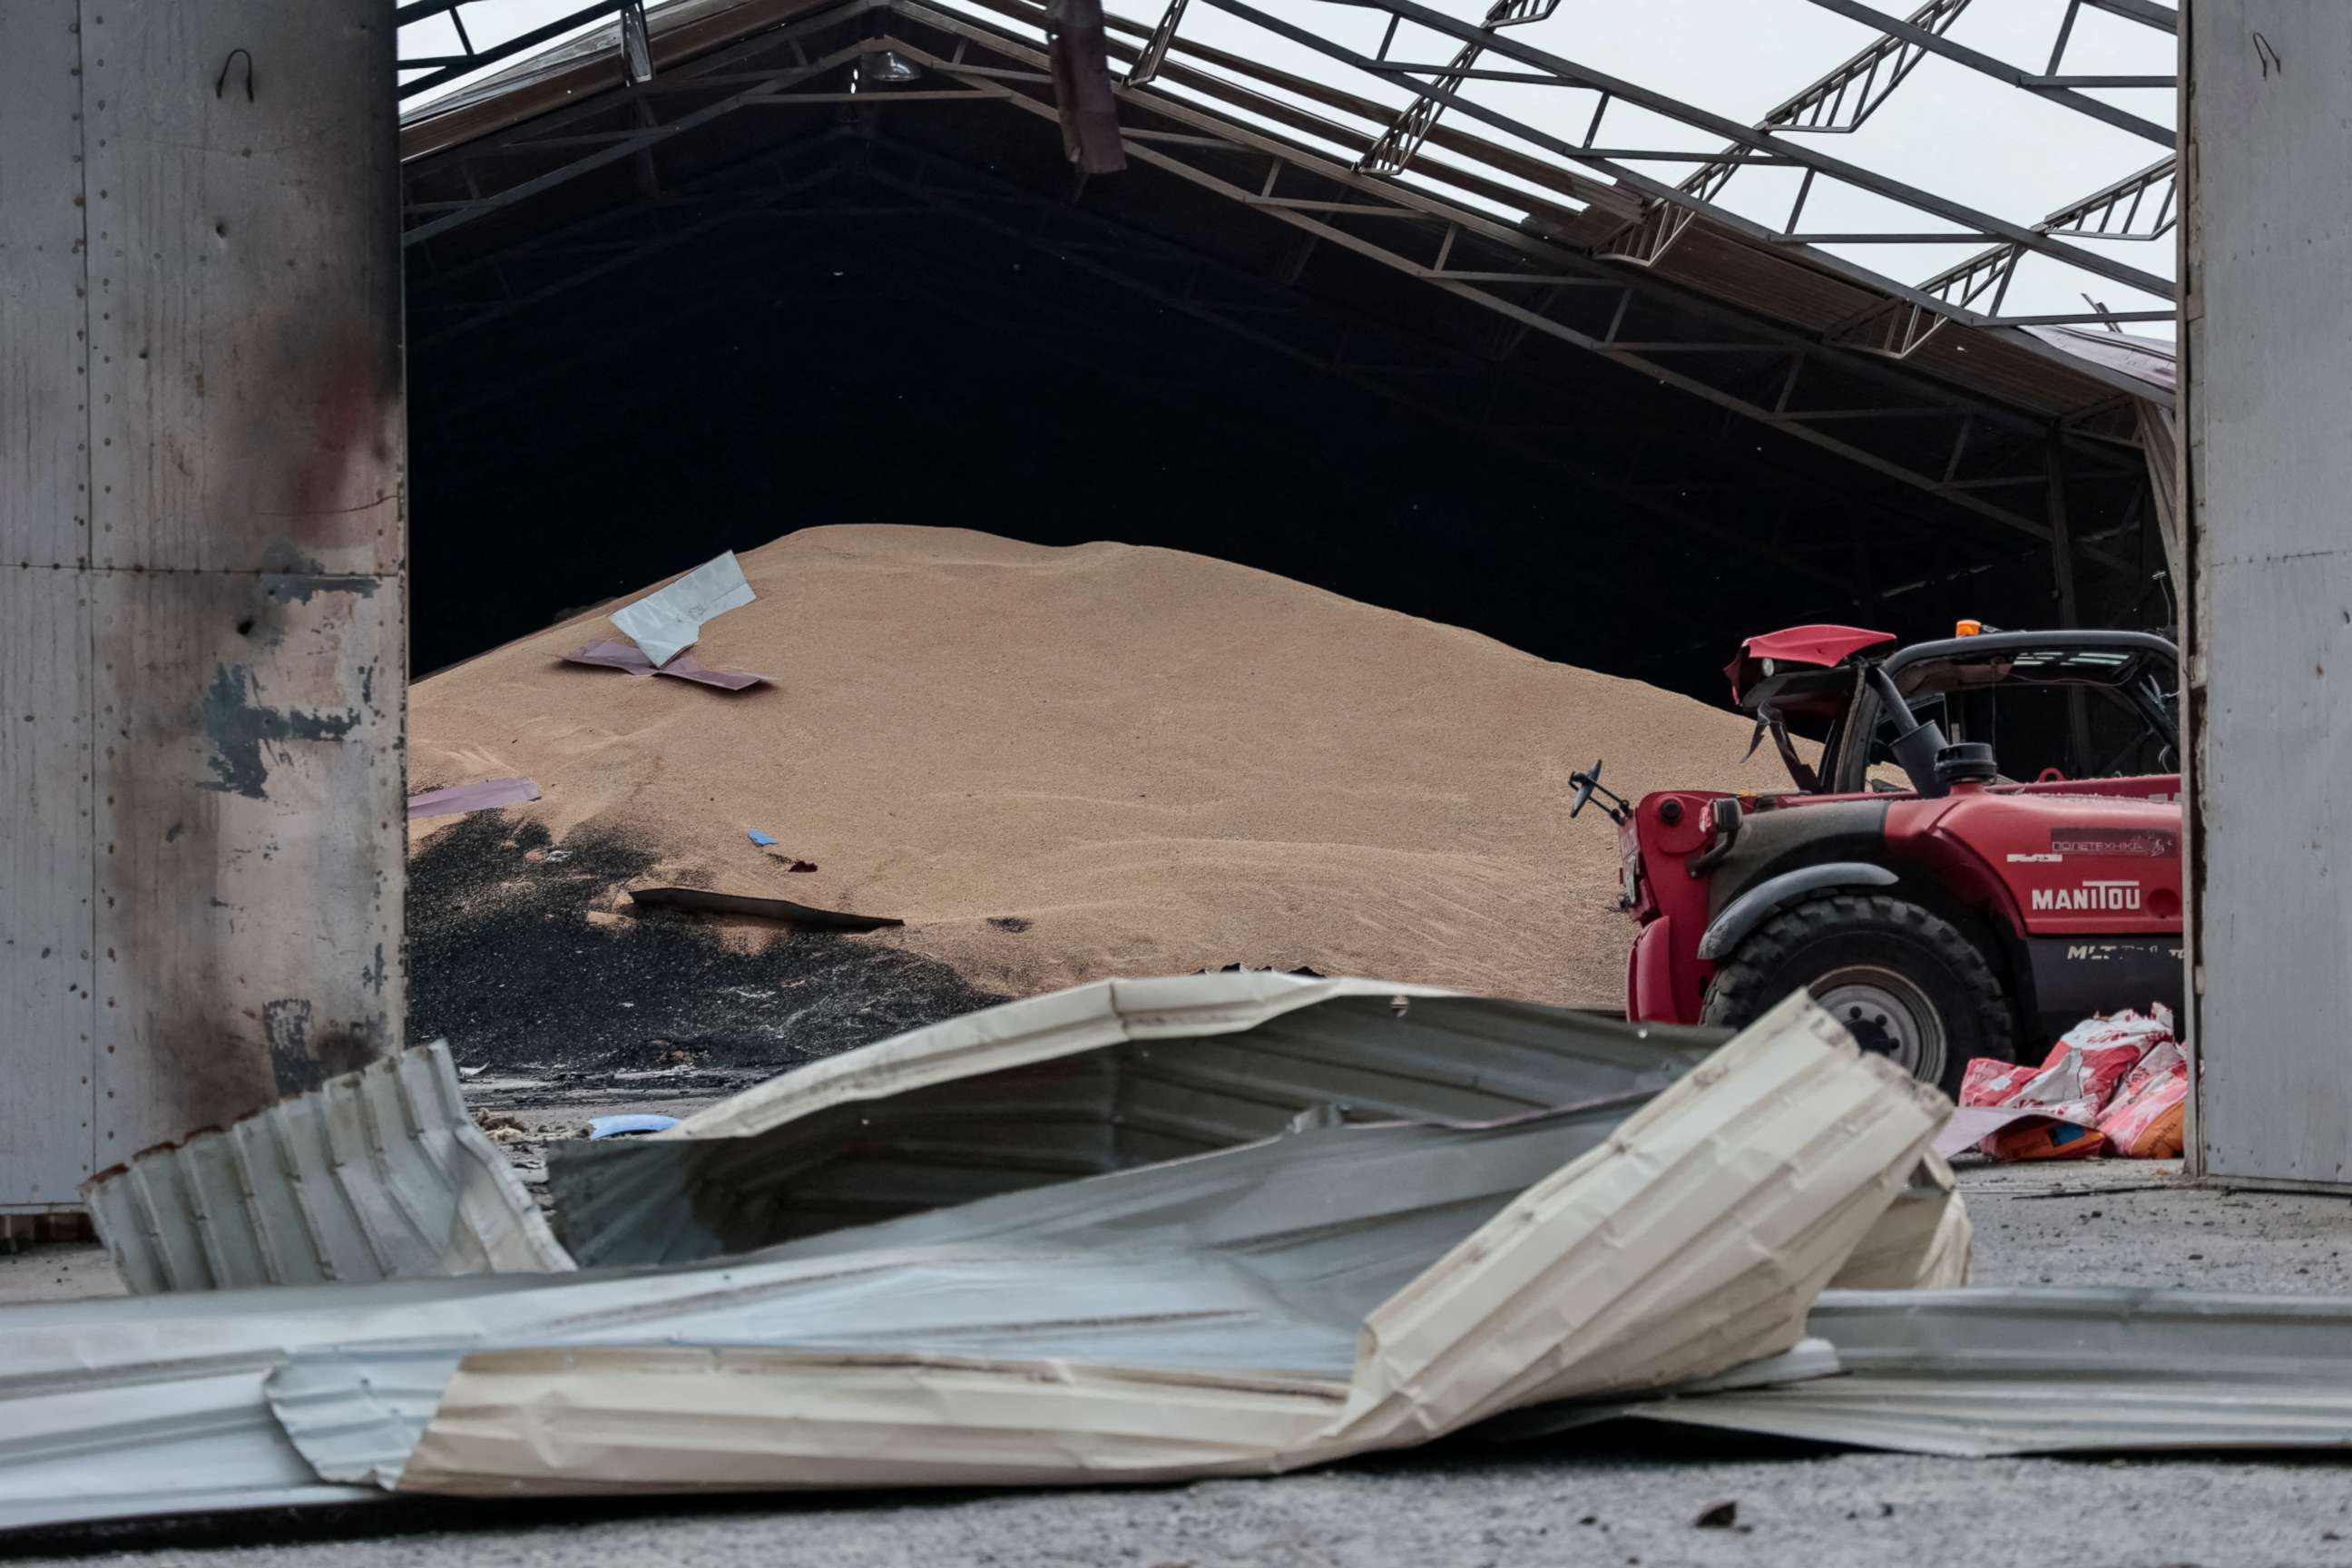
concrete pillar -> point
(203, 671)
(2267, 319)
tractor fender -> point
(1750, 908)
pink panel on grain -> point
(623, 656)
(487, 795)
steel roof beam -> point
(1397, 144)
(449, 68)
(1474, 283)
(1313, 163)
(1821, 107)
(631, 142)
(2053, 89)
(1792, 422)
(1968, 280)
(1367, 375)
(2163, 19)
(1552, 256)
(1704, 120)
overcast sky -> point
(1950, 130)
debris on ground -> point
(528, 962)
(1227, 1301)
(609, 655)
(707, 903)
(630, 1124)
(2114, 1084)
(458, 799)
(2048, 1369)
(1085, 1082)
(1282, 1220)
(380, 1174)
(667, 621)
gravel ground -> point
(1540, 1504)
(1595, 1498)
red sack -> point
(2039, 1138)
(2145, 1121)
(2071, 1088)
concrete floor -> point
(1595, 1497)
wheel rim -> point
(1887, 1013)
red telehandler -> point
(1985, 851)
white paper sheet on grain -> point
(667, 622)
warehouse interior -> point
(659, 324)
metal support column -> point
(2070, 608)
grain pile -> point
(1058, 764)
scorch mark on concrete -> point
(239, 728)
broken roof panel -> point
(1328, 1291)
(1096, 1078)
(2057, 1370)
(377, 1174)
(1685, 1244)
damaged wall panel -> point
(221, 494)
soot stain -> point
(241, 728)
(504, 961)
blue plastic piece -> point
(762, 839)
(631, 1125)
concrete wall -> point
(2268, 311)
(202, 598)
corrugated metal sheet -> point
(1688, 1243)
(1266, 1258)
(1322, 1293)
(135, 1405)
(1921, 1243)
(377, 1174)
(2028, 1371)
(1099, 1078)
(1807, 1358)
(2153, 365)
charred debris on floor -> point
(505, 958)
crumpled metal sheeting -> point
(1921, 1243)
(1330, 1198)
(1268, 1255)
(1692, 1240)
(378, 1173)
(363, 1414)
(1183, 1328)
(1809, 1359)
(2052, 1370)
(1100, 1078)
(144, 1405)
(653, 1418)
(1266, 1258)
(112, 1447)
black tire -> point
(1909, 983)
